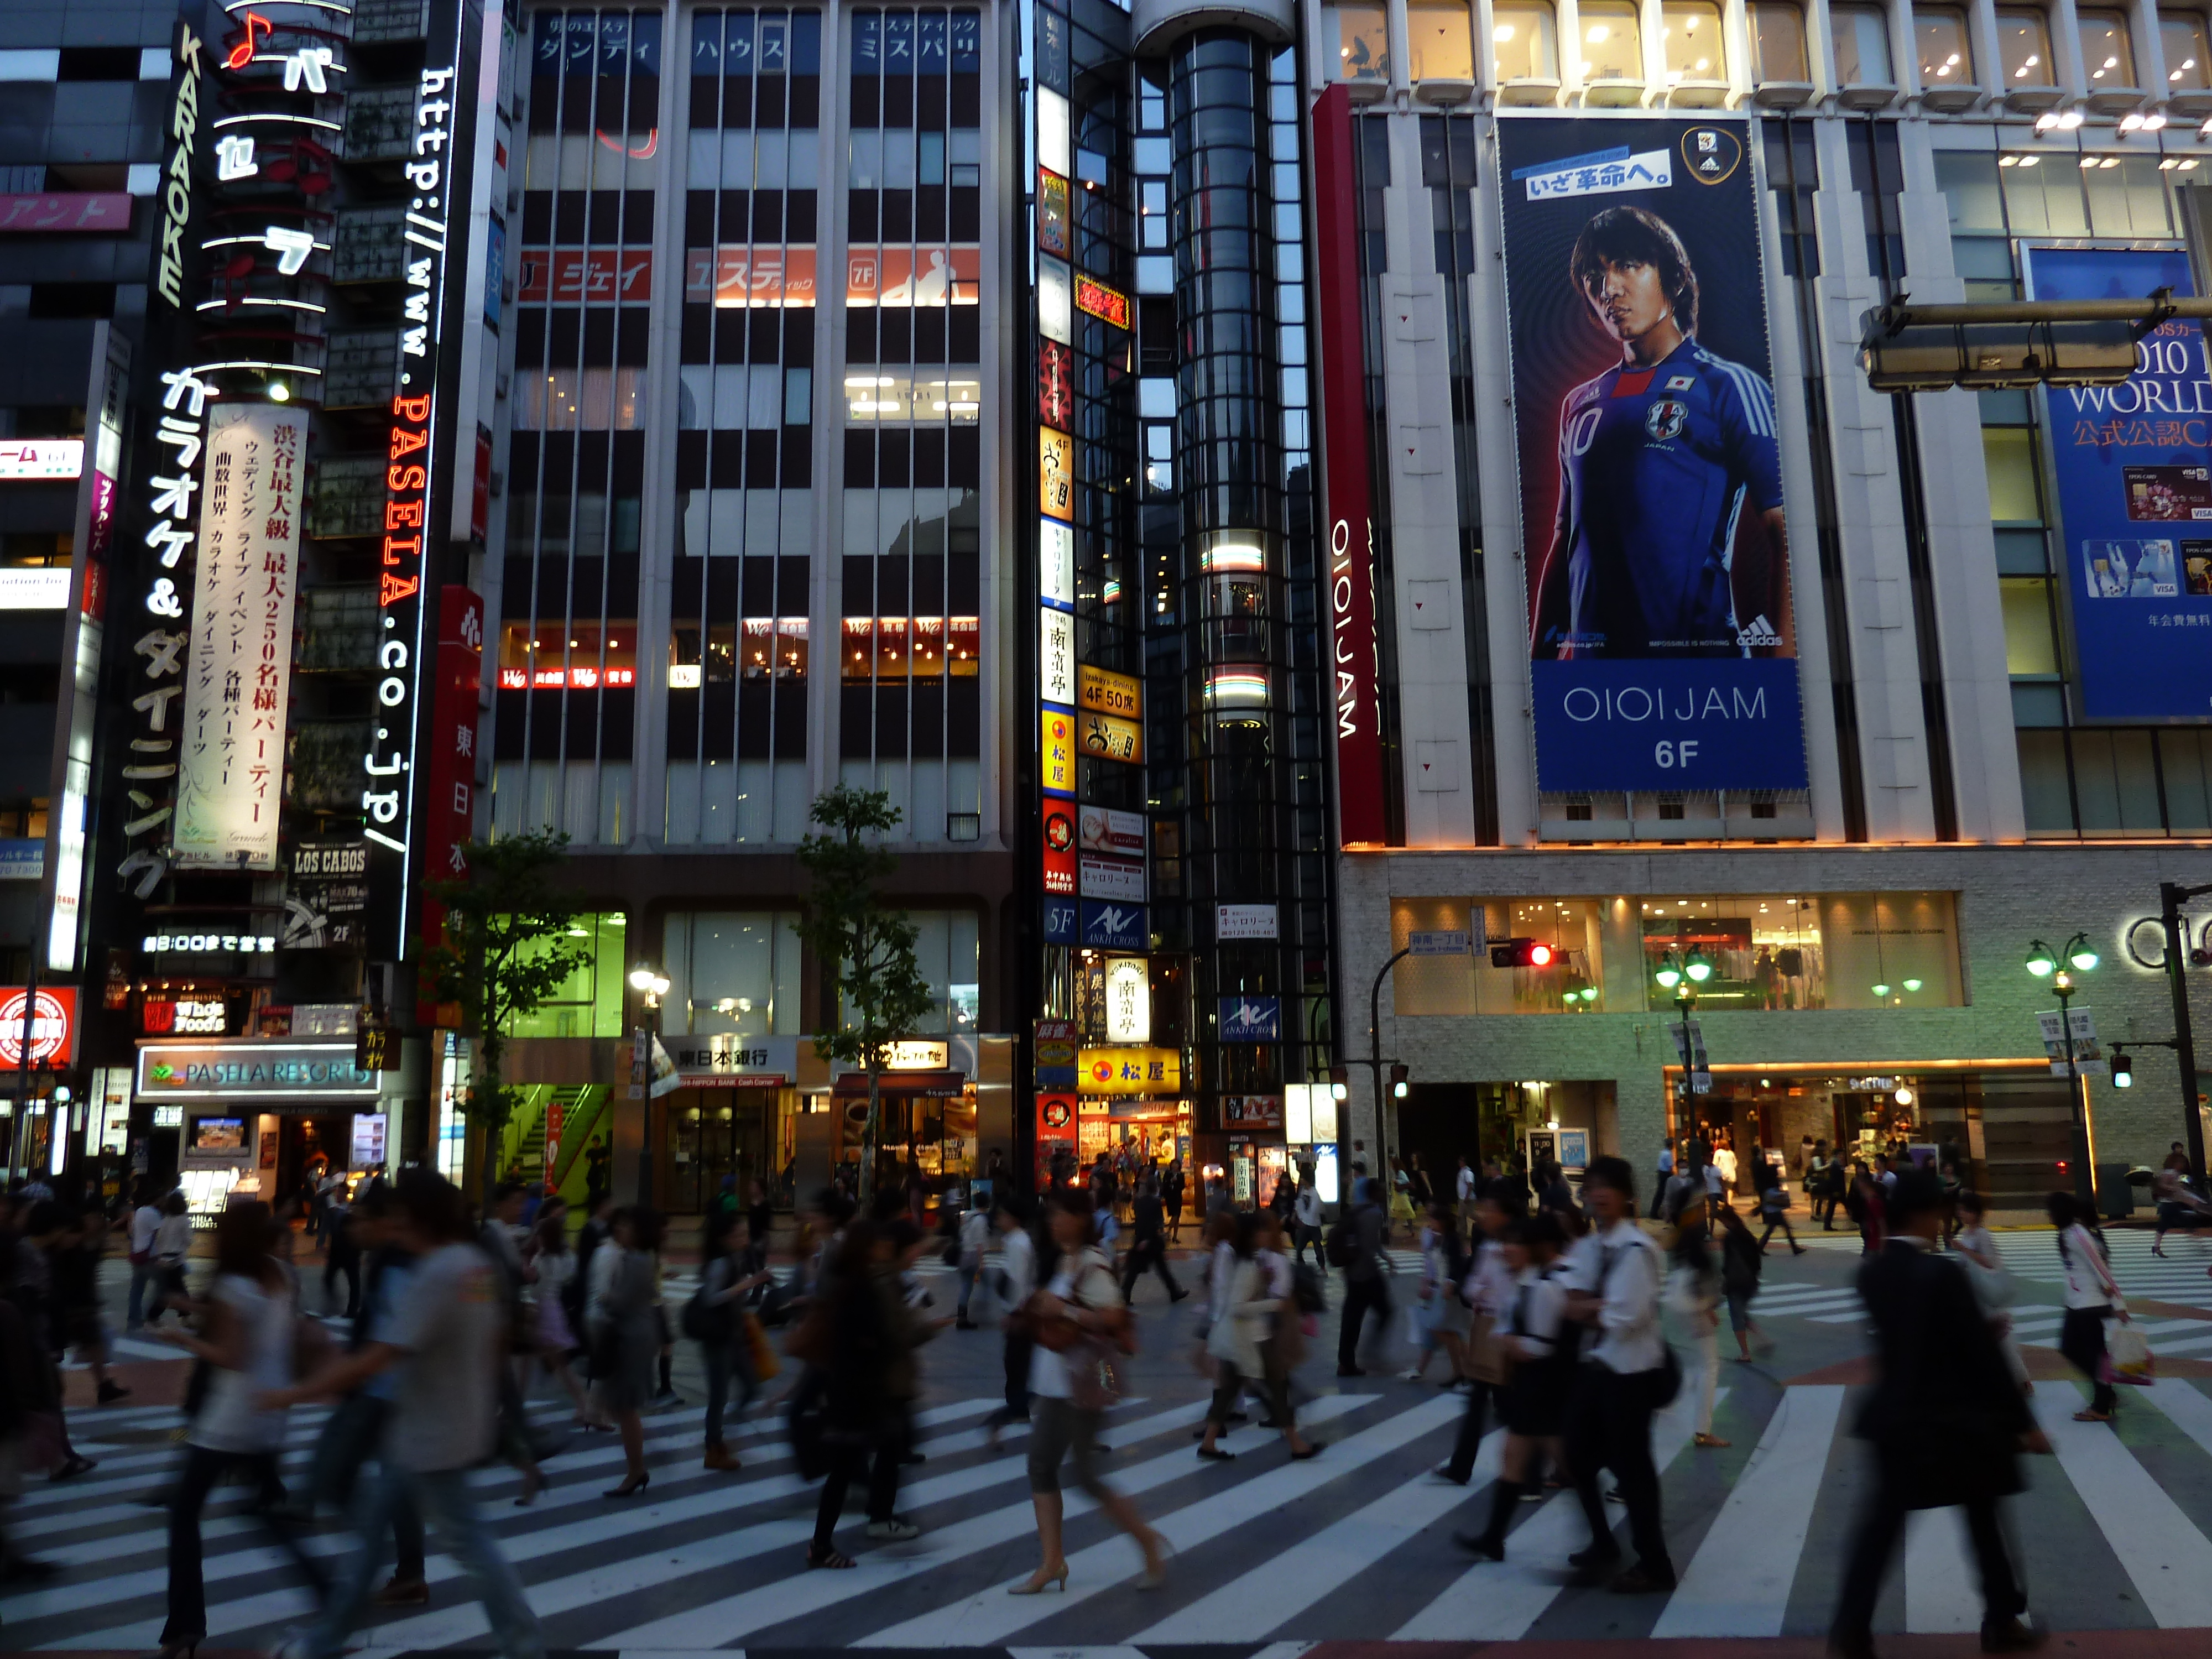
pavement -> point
(1336, 1558)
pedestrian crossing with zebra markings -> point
(2116, 1528)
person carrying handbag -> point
(2092, 1297)
(1080, 1323)
(1241, 1318)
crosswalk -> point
(2118, 1530)
(2183, 1278)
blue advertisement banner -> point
(1662, 638)
(2133, 464)
(1715, 723)
(1059, 922)
(1251, 1019)
(1108, 926)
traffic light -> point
(2124, 1071)
(1398, 1075)
(1521, 953)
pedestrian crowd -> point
(1540, 1297)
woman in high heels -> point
(1078, 1317)
(247, 1338)
(625, 1332)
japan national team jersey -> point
(1654, 464)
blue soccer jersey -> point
(1655, 466)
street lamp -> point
(2043, 962)
(1683, 975)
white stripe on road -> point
(1498, 1600)
(987, 1619)
(1940, 1597)
(2168, 1559)
(1270, 1597)
(773, 1602)
(1738, 1582)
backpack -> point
(1339, 1247)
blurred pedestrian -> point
(623, 1325)
(718, 1322)
(1535, 1362)
(1991, 1280)
(1081, 1321)
(145, 1222)
(2092, 1297)
(975, 1243)
(448, 1340)
(1017, 1265)
(1148, 1246)
(1366, 1285)
(1741, 1264)
(248, 1337)
(552, 1268)
(1946, 1423)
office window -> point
(1939, 35)
(2188, 59)
(589, 1002)
(1860, 36)
(2031, 646)
(1439, 39)
(1524, 42)
(2108, 56)
(1363, 43)
(1690, 36)
(731, 971)
(1777, 42)
(1613, 41)
(2024, 47)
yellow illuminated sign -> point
(1130, 1071)
(1105, 737)
(1059, 751)
(1056, 474)
(1108, 693)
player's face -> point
(1630, 299)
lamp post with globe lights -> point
(2063, 968)
(1683, 976)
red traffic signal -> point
(1521, 953)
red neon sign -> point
(242, 53)
(402, 575)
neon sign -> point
(177, 197)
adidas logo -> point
(1759, 631)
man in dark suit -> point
(1945, 1418)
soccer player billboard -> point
(1663, 654)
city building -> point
(1700, 648)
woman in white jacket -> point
(1242, 1308)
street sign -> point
(1446, 942)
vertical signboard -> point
(2133, 464)
(238, 673)
(451, 747)
(1660, 632)
(1345, 483)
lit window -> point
(1524, 42)
(1362, 36)
(2024, 47)
(2182, 34)
(1612, 42)
(1690, 36)
(1439, 40)
(1777, 42)
(1946, 57)
(2108, 56)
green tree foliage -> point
(505, 954)
(879, 986)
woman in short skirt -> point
(553, 1265)
(1533, 1400)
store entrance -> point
(714, 1134)
(304, 1143)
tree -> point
(881, 995)
(504, 955)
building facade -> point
(1280, 485)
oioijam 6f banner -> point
(2134, 498)
(1662, 654)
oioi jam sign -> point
(1663, 652)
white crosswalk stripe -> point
(1266, 1547)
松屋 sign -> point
(238, 676)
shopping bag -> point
(2127, 1357)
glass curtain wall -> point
(566, 697)
(738, 651)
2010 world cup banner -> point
(1663, 655)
